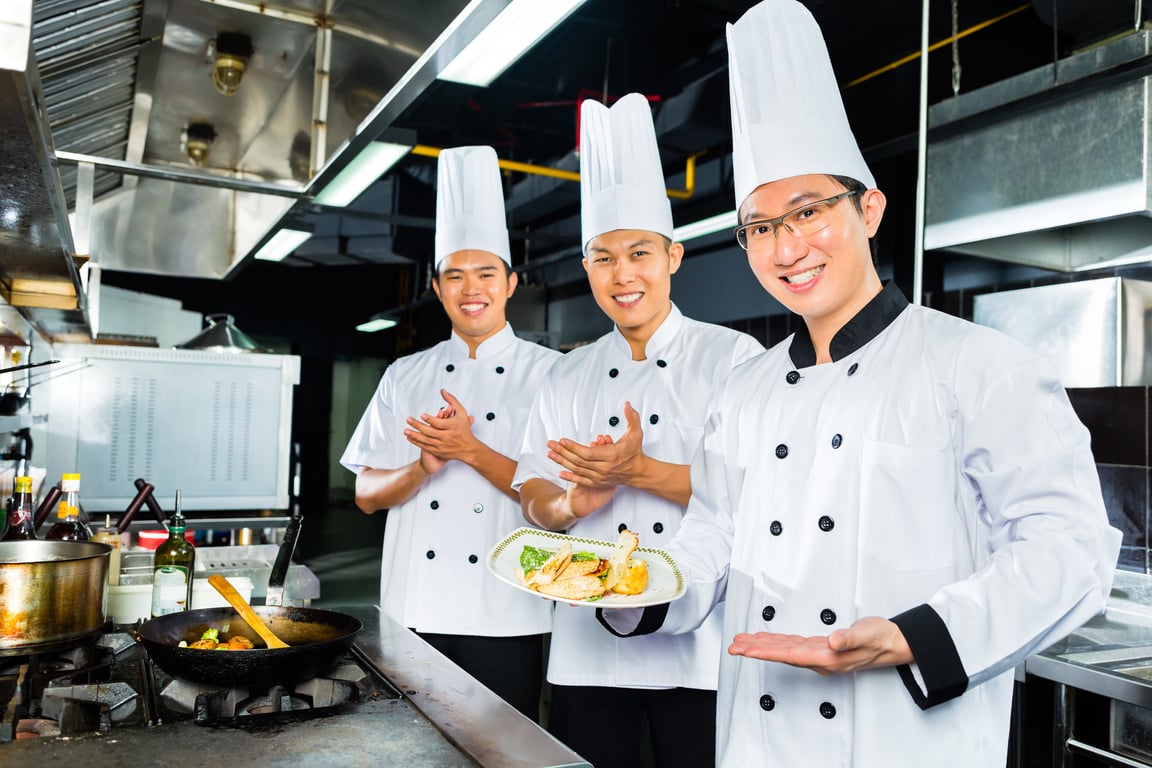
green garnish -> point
(211, 634)
(531, 558)
(579, 556)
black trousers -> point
(510, 667)
(608, 727)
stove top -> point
(111, 684)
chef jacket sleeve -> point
(1045, 551)
(702, 548)
(378, 441)
(544, 424)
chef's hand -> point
(603, 463)
(870, 642)
(445, 436)
(582, 501)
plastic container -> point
(129, 603)
(151, 539)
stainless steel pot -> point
(53, 594)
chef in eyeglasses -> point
(897, 506)
(607, 448)
(433, 449)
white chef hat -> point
(621, 181)
(787, 115)
(470, 203)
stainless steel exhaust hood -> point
(38, 275)
(1051, 168)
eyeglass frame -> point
(778, 221)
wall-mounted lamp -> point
(378, 322)
(230, 53)
(198, 138)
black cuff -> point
(935, 654)
(650, 621)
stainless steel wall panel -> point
(1097, 333)
(216, 426)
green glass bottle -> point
(173, 569)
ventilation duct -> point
(1050, 168)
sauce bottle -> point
(108, 535)
(21, 512)
(68, 526)
(173, 569)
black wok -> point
(316, 638)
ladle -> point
(225, 588)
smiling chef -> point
(608, 445)
(898, 506)
(433, 448)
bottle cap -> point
(23, 484)
(70, 482)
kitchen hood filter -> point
(1050, 168)
(221, 335)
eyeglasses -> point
(803, 221)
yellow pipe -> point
(556, 173)
(934, 46)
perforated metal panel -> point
(215, 426)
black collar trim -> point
(876, 315)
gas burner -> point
(343, 686)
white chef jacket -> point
(934, 473)
(583, 396)
(433, 576)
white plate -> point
(665, 582)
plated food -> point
(583, 571)
(583, 575)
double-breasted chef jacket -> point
(582, 397)
(433, 576)
(933, 473)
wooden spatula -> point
(224, 587)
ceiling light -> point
(232, 52)
(284, 242)
(720, 221)
(198, 138)
(518, 27)
(378, 323)
(362, 172)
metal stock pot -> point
(53, 594)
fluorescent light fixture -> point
(376, 324)
(281, 244)
(515, 30)
(368, 166)
(706, 226)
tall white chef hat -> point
(470, 204)
(621, 181)
(787, 115)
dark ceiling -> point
(674, 52)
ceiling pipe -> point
(556, 173)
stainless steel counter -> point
(489, 730)
(1111, 655)
(445, 719)
(1087, 700)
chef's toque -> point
(621, 181)
(470, 204)
(787, 115)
